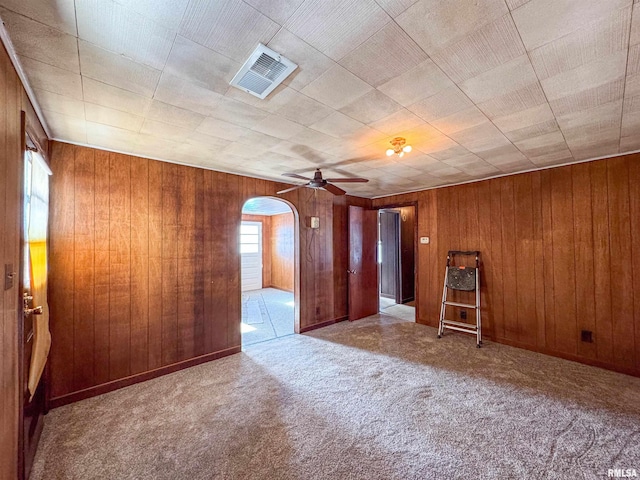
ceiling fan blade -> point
(333, 189)
(291, 189)
(349, 180)
(295, 175)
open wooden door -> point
(363, 270)
(34, 334)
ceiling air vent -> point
(262, 72)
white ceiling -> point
(479, 87)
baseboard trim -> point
(315, 326)
(138, 378)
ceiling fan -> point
(318, 182)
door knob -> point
(351, 271)
(33, 311)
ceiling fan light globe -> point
(390, 152)
(406, 149)
(401, 154)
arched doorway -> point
(269, 270)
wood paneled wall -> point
(145, 266)
(560, 254)
(282, 251)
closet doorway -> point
(396, 261)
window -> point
(249, 238)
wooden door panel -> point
(363, 270)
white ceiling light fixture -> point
(263, 72)
(399, 147)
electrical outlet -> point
(463, 314)
(586, 336)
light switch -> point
(315, 222)
(424, 240)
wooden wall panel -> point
(161, 266)
(282, 251)
(560, 248)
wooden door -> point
(251, 255)
(34, 334)
(363, 270)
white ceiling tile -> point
(591, 97)
(337, 125)
(184, 94)
(554, 158)
(531, 131)
(370, 107)
(303, 110)
(397, 122)
(513, 4)
(436, 24)
(542, 145)
(257, 139)
(43, 76)
(113, 27)
(335, 27)
(325, 88)
(206, 141)
(508, 77)
(542, 21)
(635, 25)
(60, 14)
(442, 104)
(485, 49)
(386, 54)
(480, 137)
(522, 99)
(117, 70)
(439, 147)
(461, 120)
(592, 120)
(114, 97)
(201, 65)
(316, 140)
(110, 137)
(65, 127)
(278, 127)
(165, 130)
(395, 7)
(114, 118)
(599, 72)
(594, 41)
(54, 102)
(230, 27)
(423, 80)
(238, 113)
(221, 129)
(167, 13)
(41, 42)
(311, 62)
(524, 118)
(163, 112)
(277, 10)
(281, 96)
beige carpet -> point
(375, 399)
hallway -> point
(266, 314)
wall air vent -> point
(263, 72)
